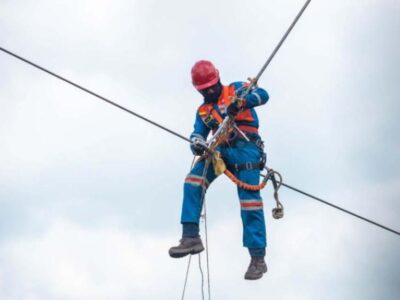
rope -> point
(186, 277)
(244, 185)
(190, 258)
(203, 205)
(202, 278)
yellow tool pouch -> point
(218, 163)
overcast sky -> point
(90, 196)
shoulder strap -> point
(207, 109)
(216, 116)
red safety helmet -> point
(204, 74)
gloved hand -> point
(234, 108)
(197, 146)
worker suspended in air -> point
(243, 157)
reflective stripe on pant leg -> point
(192, 190)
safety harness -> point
(212, 118)
(225, 131)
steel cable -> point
(179, 135)
(95, 94)
(254, 81)
(340, 208)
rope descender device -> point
(278, 211)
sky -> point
(90, 196)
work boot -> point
(187, 245)
(256, 269)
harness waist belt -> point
(247, 166)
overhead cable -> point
(95, 94)
(340, 208)
(278, 46)
(181, 136)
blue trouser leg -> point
(192, 190)
(251, 205)
(252, 213)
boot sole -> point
(258, 277)
(193, 250)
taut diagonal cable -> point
(254, 81)
(181, 136)
(94, 94)
(340, 208)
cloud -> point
(93, 195)
(70, 262)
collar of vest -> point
(223, 100)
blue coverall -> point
(237, 151)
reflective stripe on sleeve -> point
(258, 97)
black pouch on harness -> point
(263, 160)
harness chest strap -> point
(207, 111)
